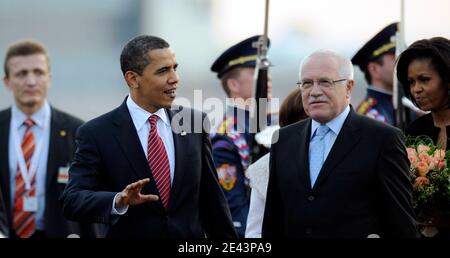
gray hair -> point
(345, 65)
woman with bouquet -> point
(423, 69)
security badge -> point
(30, 203)
(63, 175)
(63, 172)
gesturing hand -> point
(131, 195)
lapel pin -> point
(183, 133)
(62, 133)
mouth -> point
(30, 92)
(317, 102)
(419, 99)
(171, 93)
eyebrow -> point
(26, 70)
(320, 78)
(421, 75)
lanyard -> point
(28, 174)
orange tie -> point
(24, 222)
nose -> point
(30, 80)
(173, 78)
(416, 88)
(315, 89)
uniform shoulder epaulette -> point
(227, 129)
(366, 105)
(225, 125)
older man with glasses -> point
(337, 174)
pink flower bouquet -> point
(430, 177)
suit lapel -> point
(303, 154)
(55, 146)
(125, 133)
(344, 143)
(181, 147)
(5, 121)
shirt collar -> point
(335, 125)
(38, 117)
(373, 88)
(140, 116)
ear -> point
(374, 70)
(349, 87)
(49, 79)
(132, 79)
(6, 82)
(233, 86)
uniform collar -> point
(376, 90)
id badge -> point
(63, 175)
(30, 203)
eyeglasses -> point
(322, 83)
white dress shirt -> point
(140, 117)
(40, 132)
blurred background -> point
(84, 39)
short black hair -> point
(134, 56)
(436, 49)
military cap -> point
(382, 43)
(242, 54)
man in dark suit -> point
(36, 147)
(142, 168)
(337, 174)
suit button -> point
(308, 231)
(311, 198)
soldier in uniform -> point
(376, 59)
(235, 68)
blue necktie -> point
(317, 152)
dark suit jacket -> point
(363, 187)
(4, 229)
(60, 151)
(109, 156)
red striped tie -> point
(24, 222)
(158, 162)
